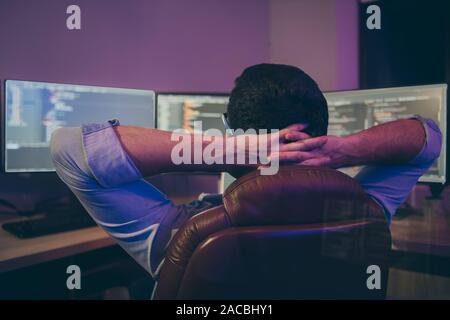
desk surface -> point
(426, 234)
(17, 253)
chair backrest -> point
(306, 232)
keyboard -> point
(50, 224)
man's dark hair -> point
(273, 96)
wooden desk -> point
(17, 253)
(425, 234)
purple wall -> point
(320, 37)
(159, 44)
(347, 57)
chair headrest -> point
(297, 194)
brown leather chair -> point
(306, 232)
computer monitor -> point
(33, 110)
(352, 111)
(177, 111)
(180, 110)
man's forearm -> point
(155, 151)
(389, 143)
(151, 150)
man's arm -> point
(390, 143)
(151, 149)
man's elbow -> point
(434, 138)
(432, 145)
(62, 145)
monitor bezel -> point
(3, 118)
(444, 130)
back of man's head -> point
(273, 96)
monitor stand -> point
(436, 190)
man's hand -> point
(296, 146)
(292, 144)
(390, 143)
(319, 151)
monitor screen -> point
(33, 110)
(177, 111)
(352, 111)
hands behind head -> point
(297, 147)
